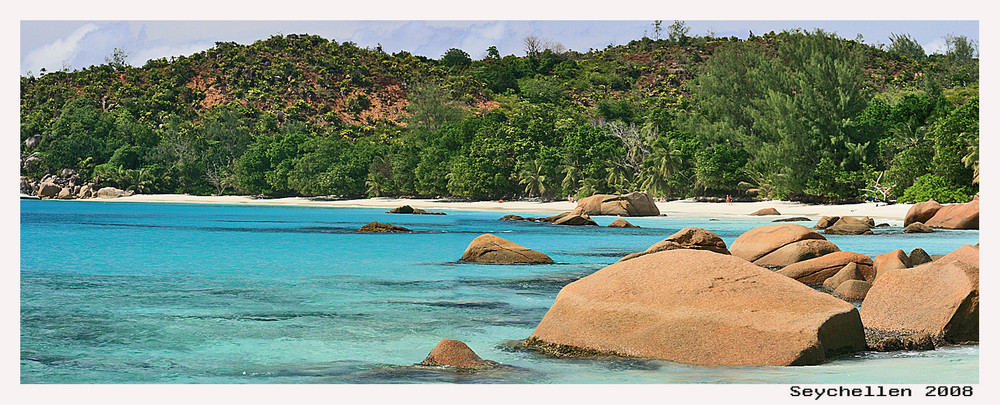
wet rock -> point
(489, 248)
(621, 223)
(765, 211)
(636, 204)
(938, 298)
(687, 238)
(383, 228)
(918, 256)
(455, 353)
(918, 227)
(817, 270)
(701, 307)
(895, 342)
(512, 217)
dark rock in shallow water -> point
(891, 341)
(793, 219)
(384, 228)
(512, 217)
(406, 209)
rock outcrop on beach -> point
(956, 216)
(687, 238)
(938, 298)
(67, 185)
(455, 353)
(921, 212)
(918, 227)
(765, 211)
(383, 228)
(701, 307)
(406, 209)
(638, 204)
(621, 223)
(492, 249)
(817, 270)
(780, 245)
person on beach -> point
(729, 199)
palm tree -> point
(571, 176)
(533, 178)
(660, 166)
(971, 159)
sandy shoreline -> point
(882, 212)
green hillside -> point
(798, 115)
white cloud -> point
(52, 55)
(936, 46)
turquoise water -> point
(188, 293)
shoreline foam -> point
(894, 212)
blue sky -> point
(53, 44)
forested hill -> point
(797, 115)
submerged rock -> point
(687, 238)
(406, 209)
(792, 219)
(700, 307)
(375, 226)
(489, 248)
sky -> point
(76, 44)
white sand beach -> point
(882, 212)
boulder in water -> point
(701, 307)
(489, 248)
(383, 228)
(687, 238)
(455, 353)
(921, 212)
(621, 223)
(638, 204)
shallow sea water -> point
(117, 292)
